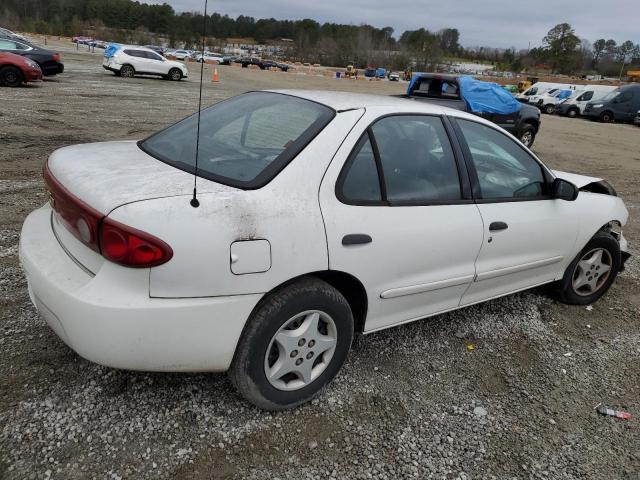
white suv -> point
(127, 61)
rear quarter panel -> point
(285, 212)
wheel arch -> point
(349, 286)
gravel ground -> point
(501, 390)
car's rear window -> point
(244, 141)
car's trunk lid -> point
(89, 181)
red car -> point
(16, 70)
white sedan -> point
(318, 214)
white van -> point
(555, 89)
(539, 88)
(548, 102)
(574, 105)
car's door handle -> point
(356, 239)
(496, 226)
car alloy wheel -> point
(572, 113)
(301, 350)
(127, 71)
(591, 272)
(549, 109)
(527, 138)
(175, 74)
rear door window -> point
(586, 96)
(402, 160)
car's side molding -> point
(426, 287)
(517, 268)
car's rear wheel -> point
(11, 76)
(549, 109)
(606, 117)
(175, 74)
(527, 135)
(127, 71)
(293, 345)
(573, 112)
(592, 272)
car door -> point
(155, 63)
(399, 216)
(623, 105)
(529, 237)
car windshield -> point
(611, 95)
(244, 141)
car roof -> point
(349, 100)
(137, 47)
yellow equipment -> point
(634, 75)
(351, 72)
(524, 84)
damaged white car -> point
(318, 214)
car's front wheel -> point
(592, 271)
(293, 345)
(11, 76)
(175, 74)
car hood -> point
(109, 174)
(578, 180)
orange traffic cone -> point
(215, 76)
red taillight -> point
(116, 241)
(56, 57)
(78, 217)
(131, 247)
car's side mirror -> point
(564, 190)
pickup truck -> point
(445, 90)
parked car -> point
(445, 90)
(370, 72)
(296, 239)
(182, 54)
(394, 77)
(48, 61)
(263, 64)
(574, 105)
(159, 50)
(229, 59)
(81, 40)
(531, 94)
(620, 105)
(128, 61)
(8, 33)
(209, 57)
(16, 70)
(547, 103)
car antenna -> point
(194, 201)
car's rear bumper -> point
(110, 319)
(52, 68)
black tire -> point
(11, 76)
(247, 371)
(127, 71)
(606, 117)
(175, 74)
(573, 112)
(549, 109)
(527, 135)
(565, 291)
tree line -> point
(561, 50)
(327, 43)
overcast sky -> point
(497, 23)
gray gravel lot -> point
(489, 391)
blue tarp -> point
(481, 97)
(486, 97)
(111, 50)
(565, 94)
